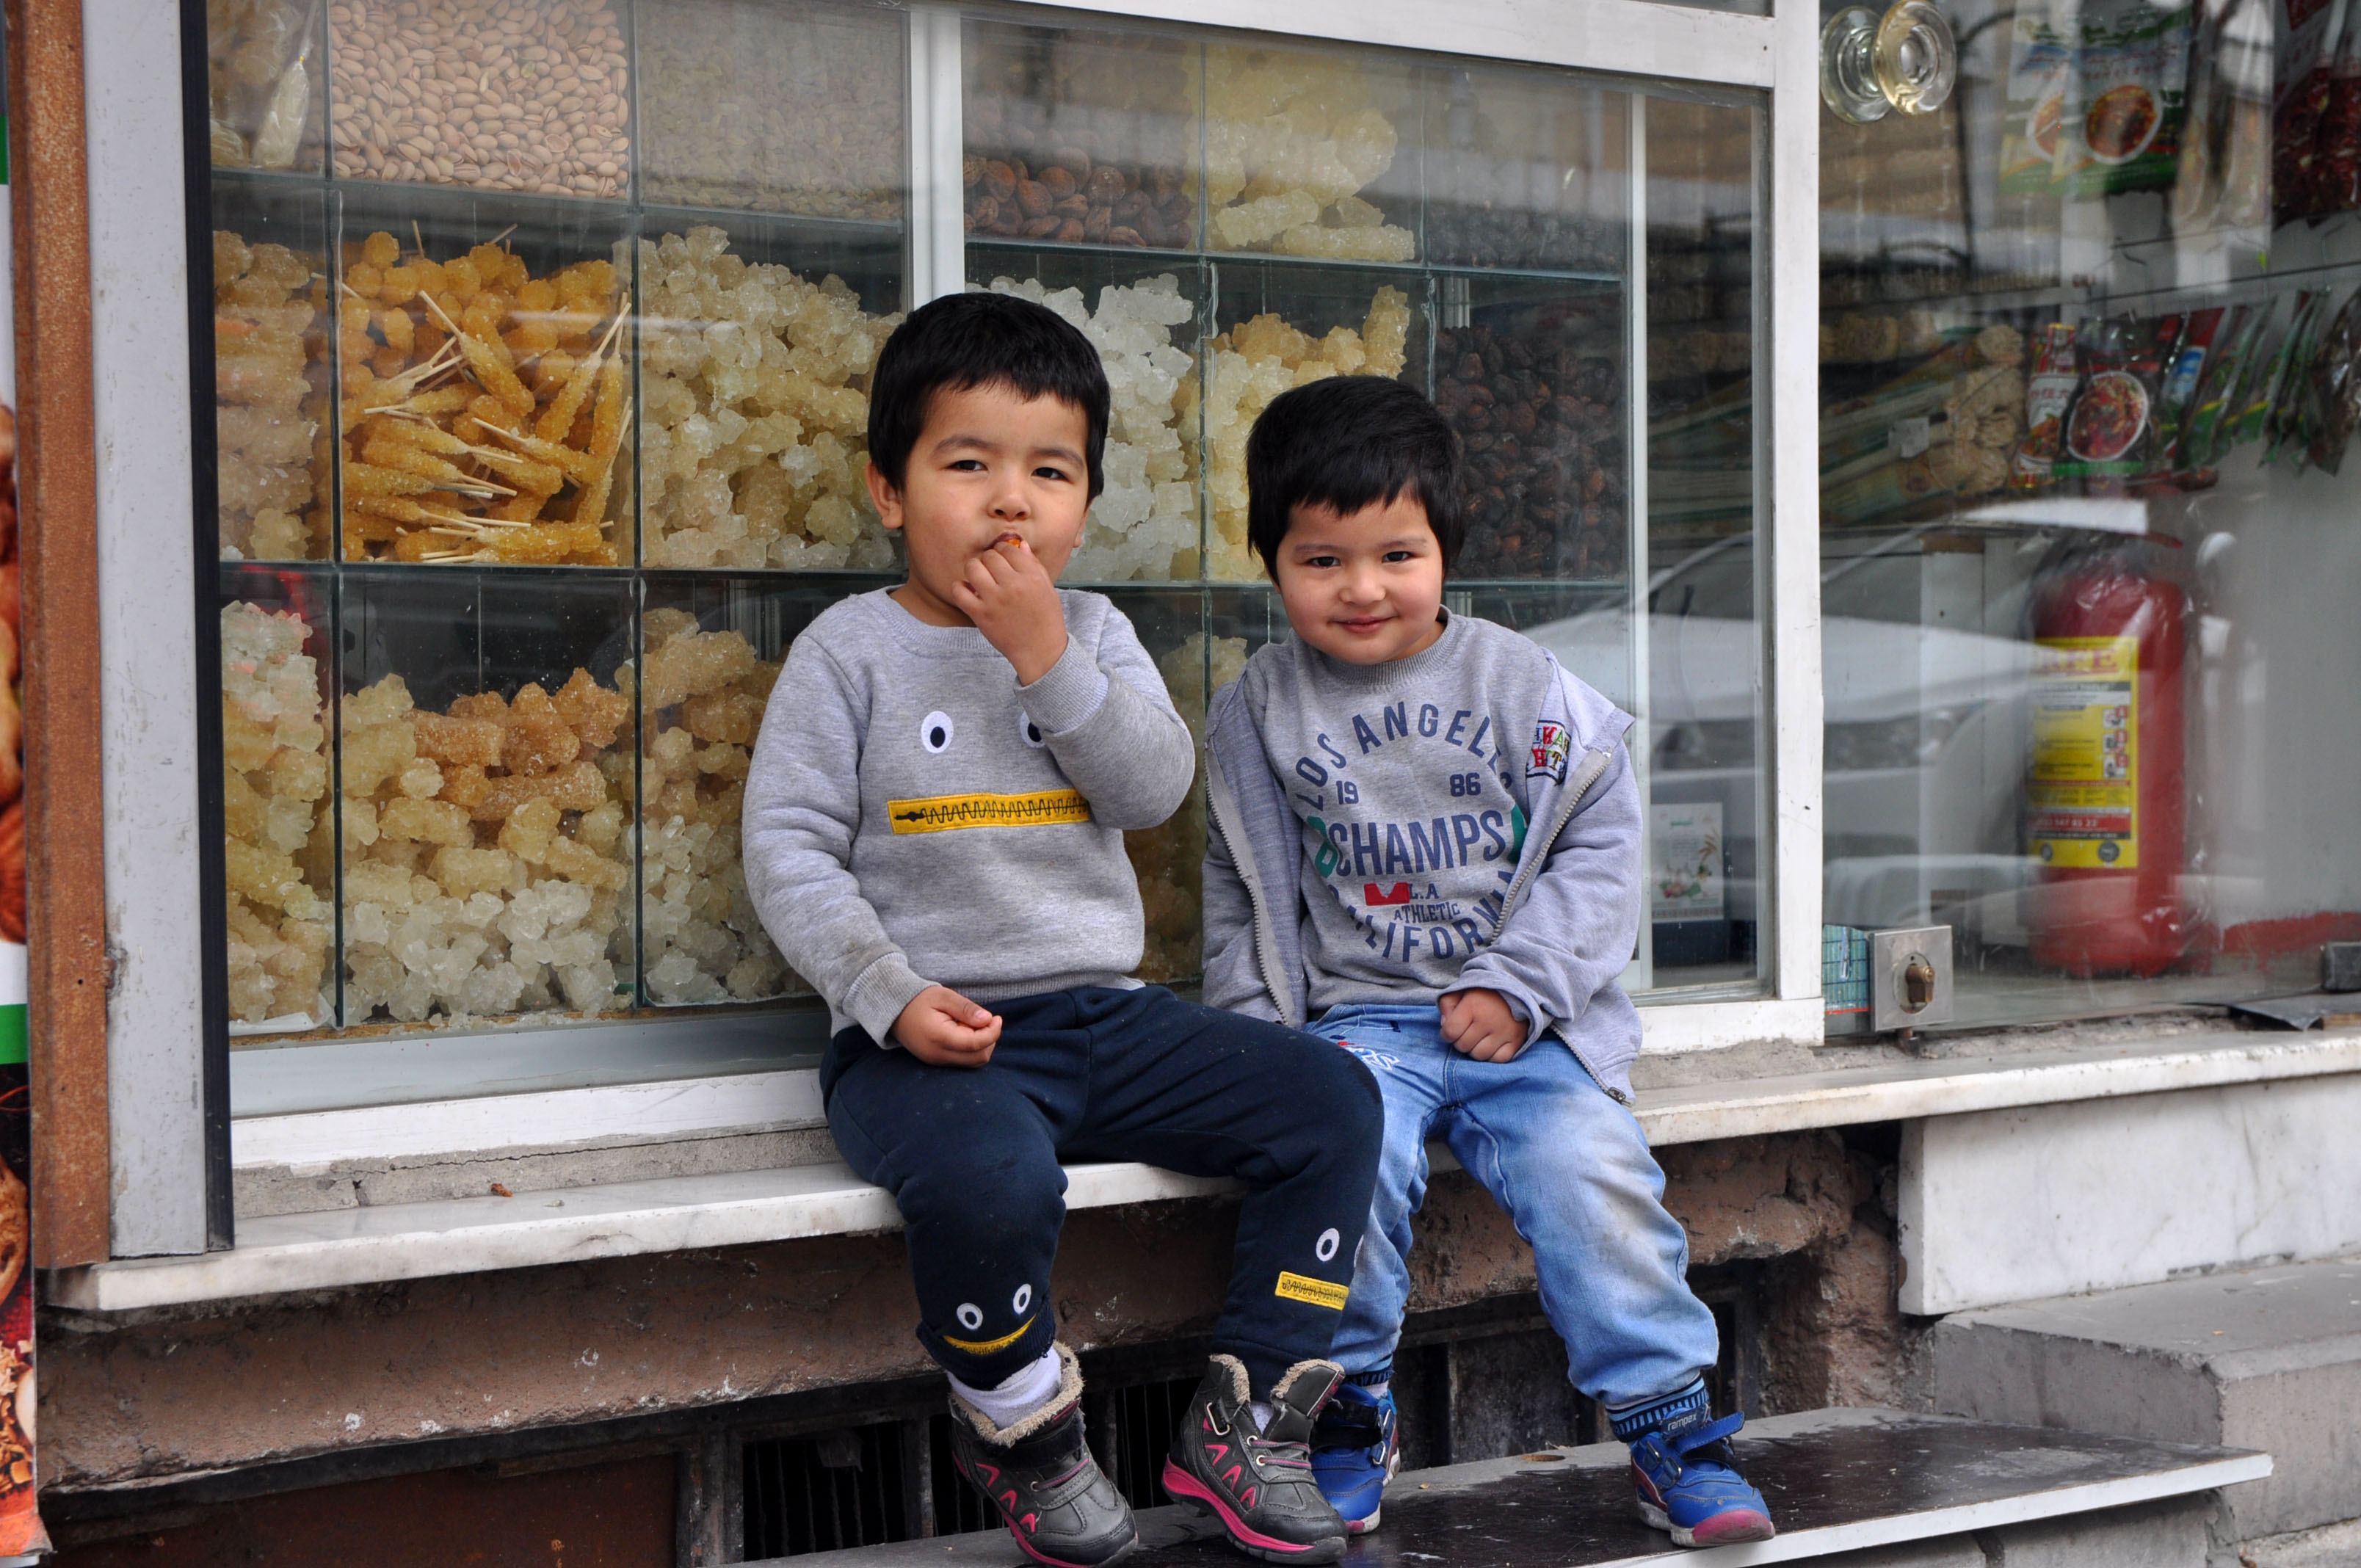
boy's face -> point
(988, 464)
(1363, 587)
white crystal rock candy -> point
(1147, 516)
(1169, 860)
(701, 938)
(277, 845)
(757, 412)
(1254, 362)
(1291, 139)
(502, 913)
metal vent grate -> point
(823, 1493)
(958, 1506)
(1131, 1431)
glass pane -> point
(485, 784)
(1312, 153)
(1142, 316)
(485, 356)
(1169, 859)
(1279, 325)
(1705, 679)
(262, 73)
(271, 370)
(787, 109)
(279, 833)
(711, 649)
(2088, 348)
(1076, 136)
(758, 338)
(517, 95)
(1526, 169)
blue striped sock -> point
(1667, 1413)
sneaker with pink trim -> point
(1057, 1502)
(1258, 1484)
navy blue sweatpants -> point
(971, 1156)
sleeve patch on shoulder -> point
(1552, 744)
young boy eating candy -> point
(934, 837)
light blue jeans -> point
(1570, 1167)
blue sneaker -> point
(1688, 1483)
(1354, 1452)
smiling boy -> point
(934, 837)
(1427, 844)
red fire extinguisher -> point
(2106, 775)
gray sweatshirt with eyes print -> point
(914, 816)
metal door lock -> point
(1910, 976)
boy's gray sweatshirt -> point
(1569, 916)
(914, 817)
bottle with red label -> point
(2107, 809)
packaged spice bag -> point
(2049, 390)
(2225, 132)
(2039, 61)
(2333, 178)
(2111, 429)
(2194, 451)
(2124, 98)
(2269, 384)
(2184, 368)
(2300, 75)
(2336, 389)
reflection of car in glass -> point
(1923, 755)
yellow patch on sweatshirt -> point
(944, 813)
(1318, 1292)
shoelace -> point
(1268, 1454)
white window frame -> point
(148, 575)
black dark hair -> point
(1348, 442)
(964, 341)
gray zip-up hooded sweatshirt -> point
(914, 816)
(1569, 915)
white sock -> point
(1262, 1413)
(1376, 1390)
(1017, 1396)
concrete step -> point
(1869, 1488)
(2267, 1358)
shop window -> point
(2088, 358)
(543, 338)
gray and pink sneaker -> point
(1258, 1483)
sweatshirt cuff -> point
(877, 998)
(1069, 695)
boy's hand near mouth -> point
(1014, 602)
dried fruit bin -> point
(271, 370)
(1531, 374)
(483, 353)
(487, 768)
(1079, 135)
(1278, 324)
(1143, 314)
(755, 105)
(758, 335)
(523, 95)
